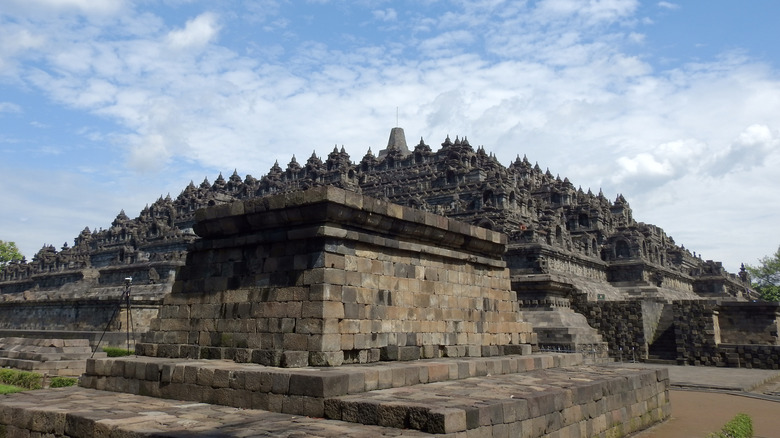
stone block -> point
(294, 359)
(404, 353)
(438, 372)
(49, 422)
(522, 349)
(205, 376)
(295, 341)
(446, 420)
(326, 358)
(221, 378)
(490, 414)
(76, 425)
(321, 385)
(541, 403)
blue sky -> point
(675, 104)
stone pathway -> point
(697, 414)
(705, 398)
(754, 381)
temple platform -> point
(529, 396)
(52, 357)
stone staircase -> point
(564, 330)
(663, 348)
(54, 357)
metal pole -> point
(127, 316)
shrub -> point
(117, 352)
(62, 382)
(740, 426)
(22, 379)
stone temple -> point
(414, 292)
(579, 263)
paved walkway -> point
(717, 378)
(705, 398)
(696, 414)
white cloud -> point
(666, 163)
(196, 33)
(563, 90)
(750, 149)
(150, 153)
(16, 41)
(590, 12)
(447, 43)
(388, 14)
(643, 165)
(10, 107)
(668, 5)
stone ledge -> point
(86, 413)
(594, 399)
(197, 380)
(573, 402)
(338, 206)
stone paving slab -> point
(714, 378)
(299, 391)
(533, 403)
(81, 412)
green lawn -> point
(10, 389)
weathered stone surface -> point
(401, 297)
(493, 397)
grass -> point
(12, 381)
(23, 379)
(62, 382)
(10, 389)
(740, 426)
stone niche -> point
(326, 276)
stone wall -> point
(83, 301)
(749, 323)
(75, 315)
(141, 273)
(81, 307)
(328, 276)
(699, 334)
(695, 329)
(620, 324)
(749, 356)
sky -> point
(109, 105)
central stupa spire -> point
(396, 141)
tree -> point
(8, 252)
(766, 277)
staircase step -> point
(566, 401)
(518, 399)
(297, 391)
(82, 413)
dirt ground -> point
(696, 414)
